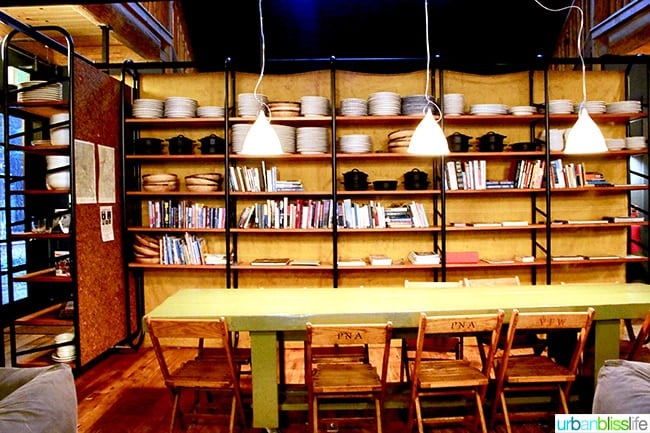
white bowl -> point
(60, 136)
(56, 161)
(58, 180)
(64, 337)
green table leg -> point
(266, 413)
(606, 345)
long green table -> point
(266, 313)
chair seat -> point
(450, 374)
(536, 369)
(348, 378)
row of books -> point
(184, 214)
(182, 250)
(373, 214)
(283, 214)
(259, 179)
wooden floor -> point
(124, 392)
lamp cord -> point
(430, 100)
(263, 62)
(579, 46)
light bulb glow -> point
(428, 138)
(585, 136)
(261, 138)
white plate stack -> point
(354, 107)
(522, 110)
(488, 109)
(180, 107)
(48, 92)
(65, 352)
(287, 136)
(560, 106)
(210, 111)
(454, 104)
(635, 143)
(239, 131)
(312, 139)
(615, 143)
(414, 105)
(248, 104)
(148, 108)
(355, 143)
(624, 107)
(314, 106)
(384, 104)
(593, 107)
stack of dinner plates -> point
(287, 136)
(384, 104)
(635, 143)
(454, 104)
(148, 108)
(355, 143)
(239, 131)
(47, 92)
(615, 143)
(488, 109)
(414, 105)
(312, 139)
(314, 106)
(248, 104)
(210, 111)
(624, 107)
(593, 107)
(354, 107)
(180, 106)
(522, 110)
(560, 106)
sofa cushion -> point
(623, 387)
(39, 399)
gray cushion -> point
(39, 399)
(623, 387)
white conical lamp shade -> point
(428, 138)
(261, 138)
(585, 136)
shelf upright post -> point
(230, 213)
(335, 248)
(442, 246)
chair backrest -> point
(459, 326)
(546, 322)
(432, 284)
(176, 333)
(487, 282)
(351, 334)
(640, 339)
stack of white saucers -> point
(522, 110)
(210, 111)
(635, 143)
(287, 136)
(65, 352)
(49, 92)
(148, 108)
(312, 139)
(593, 107)
(560, 106)
(239, 131)
(354, 107)
(454, 104)
(488, 109)
(314, 106)
(248, 104)
(180, 107)
(384, 104)
(355, 143)
(624, 107)
(414, 105)
(615, 143)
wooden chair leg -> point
(175, 411)
(504, 409)
(480, 416)
(378, 406)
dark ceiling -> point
(475, 35)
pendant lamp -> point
(261, 139)
(584, 136)
(428, 137)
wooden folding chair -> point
(539, 375)
(635, 350)
(207, 379)
(531, 340)
(451, 380)
(434, 346)
(346, 380)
